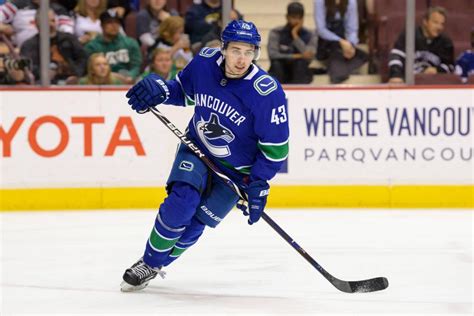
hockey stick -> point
(369, 285)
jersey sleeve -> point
(272, 130)
(181, 88)
(396, 58)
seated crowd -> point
(90, 46)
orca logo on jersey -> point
(213, 130)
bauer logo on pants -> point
(186, 165)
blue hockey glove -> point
(257, 193)
(150, 91)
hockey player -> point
(240, 122)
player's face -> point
(238, 57)
(434, 26)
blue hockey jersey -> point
(465, 65)
(241, 124)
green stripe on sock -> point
(160, 243)
(177, 251)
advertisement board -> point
(382, 136)
(348, 147)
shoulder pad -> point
(265, 85)
(208, 52)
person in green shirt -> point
(122, 52)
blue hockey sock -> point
(189, 238)
(174, 216)
(162, 240)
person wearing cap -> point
(291, 48)
(122, 52)
(240, 123)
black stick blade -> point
(363, 286)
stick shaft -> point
(341, 285)
(236, 189)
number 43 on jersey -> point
(279, 115)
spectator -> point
(12, 70)
(465, 62)
(68, 57)
(338, 26)
(87, 24)
(161, 64)
(171, 36)
(149, 19)
(20, 14)
(203, 18)
(99, 73)
(122, 52)
(434, 52)
(291, 48)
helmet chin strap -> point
(258, 54)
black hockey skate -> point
(138, 276)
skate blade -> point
(125, 287)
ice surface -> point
(71, 262)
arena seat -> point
(130, 24)
(458, 32)
(455, 6)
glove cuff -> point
(164, 87)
